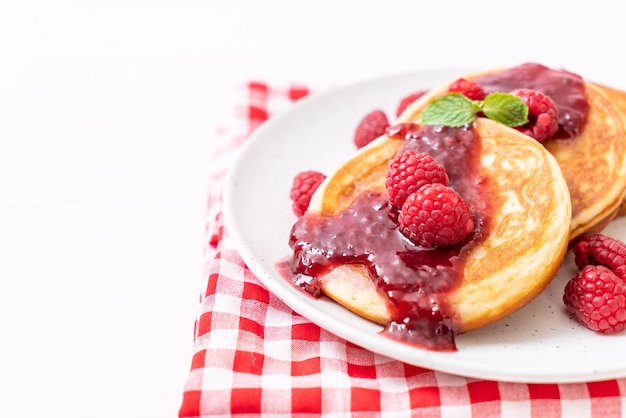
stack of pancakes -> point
(546, 195)
(593, 162)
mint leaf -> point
(452, 109)
(506, 109)
(455, 110)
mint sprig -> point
(455, 110)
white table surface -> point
(107, 113)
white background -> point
(107, 113)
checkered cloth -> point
(254, 356)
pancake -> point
(618, 98)
(513, 261)
(594, 165)
(593, 160)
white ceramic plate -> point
(539, 344)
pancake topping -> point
(414, 278)
(566, 89)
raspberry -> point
(408, 171)
(469, 89)
(435, 215)
(542, 112)
(407, 100)
(371, 127)
(599, 249)
(597, 298)
(304, 185)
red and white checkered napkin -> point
(254, 356)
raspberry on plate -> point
(408, 99)
(599, 249)
(542, 113)
(371, 127)
(597, 298)
(408, 171)
(468, 88)
(435, 215)
(304, 185)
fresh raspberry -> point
(469, 89)
(542, 112)
(371, 127)
(407, 100)
(435, 215)
(599, 249)
(597, 298)
(408, 171)
(304, 185)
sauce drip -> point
(414, 279)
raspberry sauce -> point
(414, 279)
(566, 89)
